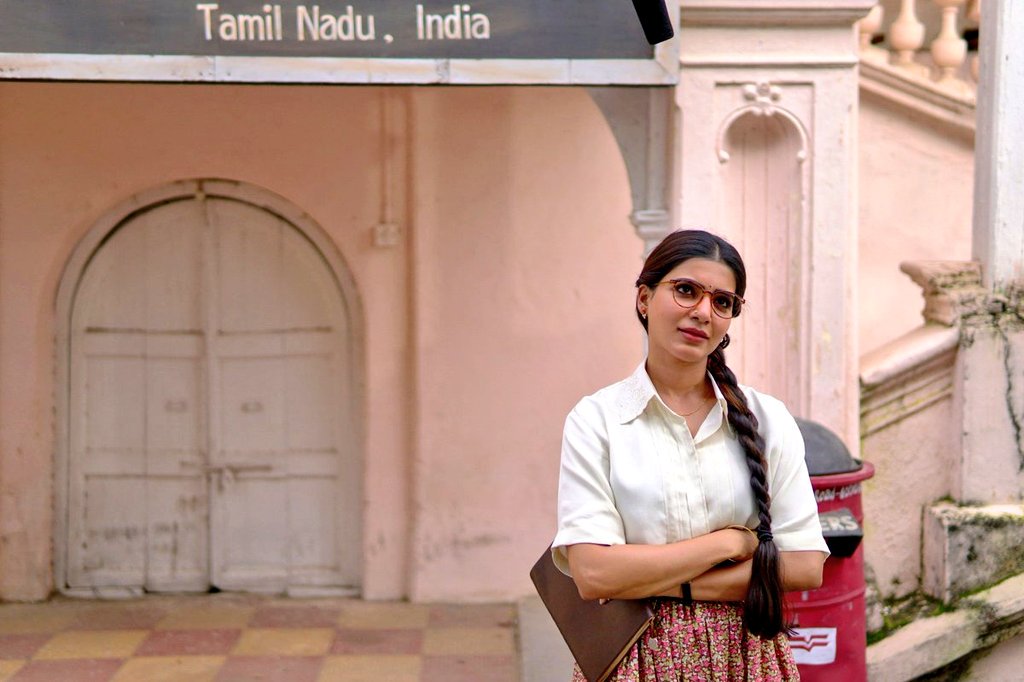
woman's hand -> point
(744, 540)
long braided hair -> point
(764, 606)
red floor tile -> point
(295, 617)
(469, 669)
(270, 669)
(21, 646)
(77, 670)
(378, 642)
(188, 642)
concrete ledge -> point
(910, 352)
(922, 646)
(966, 548)
(949, 108)
(906, 376)
(1002, 610)
(926, 645)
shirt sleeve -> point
(586, 503)
(794, 510)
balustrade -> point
(904, 43)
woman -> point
(679, 484)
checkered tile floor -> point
(243, 637)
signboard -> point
(544, 41)
(813, 646)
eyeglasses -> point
(688, 293)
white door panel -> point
(249, 268)
(276, 348)
(254, 520)
(252, 409)
(210, 429)
(112, 533)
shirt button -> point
(654, 644)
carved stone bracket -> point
(955, 296)
(651, 225)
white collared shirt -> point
(632, 473)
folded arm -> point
(800, 571)
(637, 571)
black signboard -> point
(379, 29)
(841, 530)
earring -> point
(643, 314)
(725, 342)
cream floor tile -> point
(469, 642)
(212, 616)
(32, 620)
(170, 669)
(8, 668)
(385, 615)
(92, 644)
(284, 642)
(370, 669)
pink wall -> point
(524, 269)
(916, 197)
(513, 300)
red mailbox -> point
(829, 640)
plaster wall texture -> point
(912, 461)
(524, 271)
(988, 469)
(916, 198)
(486, 322)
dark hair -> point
(763, 610)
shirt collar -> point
(637, 391)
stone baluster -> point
(949, 50)
(906, 36)
(868, 28)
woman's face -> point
(688, 335)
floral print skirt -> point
(703, 642)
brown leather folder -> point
(598, 635)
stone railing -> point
(931, 71)
(947, 574)
(907, 417)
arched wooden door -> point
(211, 408)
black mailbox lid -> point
(824, 453)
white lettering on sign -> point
(461, 24)
(813, 646)
(313, 25)
(241, 27)
(348, 25)
(838, 523)
(830, 494)
(310, 24)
